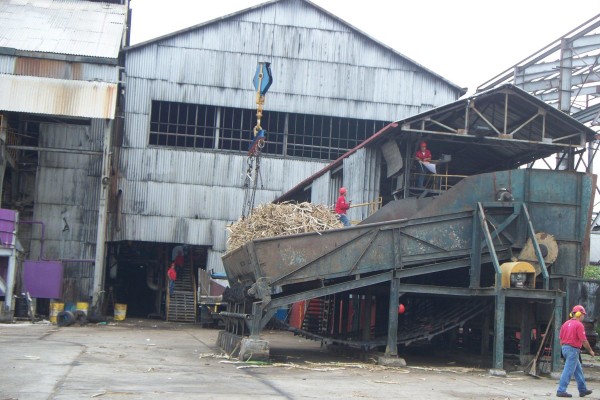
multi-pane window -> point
(227, 128)
(315, 136)
(182, 125)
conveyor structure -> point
(452, 246)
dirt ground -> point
(158, 360)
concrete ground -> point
(158, 360)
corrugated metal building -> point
(59, 75)
(189, 110)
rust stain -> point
(46, 68)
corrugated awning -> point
(58, 97)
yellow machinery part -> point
(517, 267)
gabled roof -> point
(534, 131)
(310, 4)
(71, 27)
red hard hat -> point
(578, 308)
(423, 143)
(342, 190)
(401, 308)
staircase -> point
(182, 306)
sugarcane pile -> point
(268, 220)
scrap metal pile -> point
(268, 220)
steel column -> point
(366, 331)
(475, 271)
(100, 258)
(499, 312)
(526, 326)
(255, 322)
(556, 350)
(485, 334)
(391, 349)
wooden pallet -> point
(182, 305)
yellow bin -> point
(120, 312)
(82, 306)
(55, 308)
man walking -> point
(572, 337)
(341, 207)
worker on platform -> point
(341, 207)
(572, 337)
(423, 157)
(172, 278)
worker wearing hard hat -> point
(423, 156)
(572, 337)
(341, 207)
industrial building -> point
(129, 156)
(190, 110)
(59, 94)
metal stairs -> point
(182, 305)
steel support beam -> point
(255, 321)
(526, 327)
(99, 262)
(558, 312)
(391, 349)
(538, 294)
(536, 247)
(337, 288)
(475, 271)
(499, 312)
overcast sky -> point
(465, 41)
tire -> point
(80, 317)
(65, 318)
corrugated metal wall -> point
(179, 196)
(67, 191)
(58, 69)
(320, 65)
(362, 175)
(320, 190)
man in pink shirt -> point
(572, 337)
(341, 207)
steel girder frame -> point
(263, 311)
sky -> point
(466, 41)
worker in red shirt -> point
(341, 207)
(423, 156)
(172, 273)
(572, 337)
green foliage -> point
(591, 272)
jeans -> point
(344, 219)
(171, 287)
(421, 177)
(572, 368)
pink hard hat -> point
(342, 190)
(578, 308)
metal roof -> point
(58, 97)
(314, 6)
(499, 129)
(72, 27)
